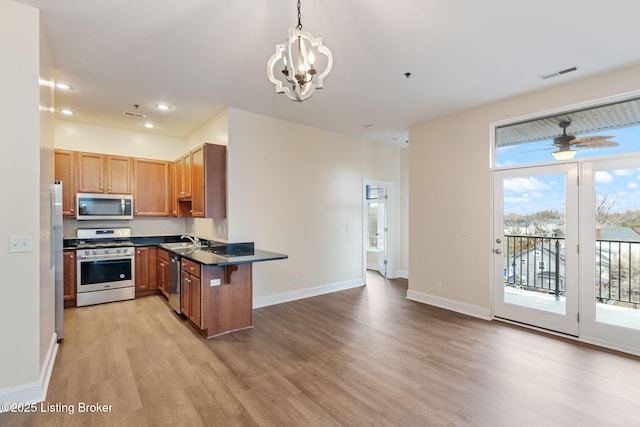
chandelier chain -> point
(299, 27)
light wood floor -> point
(366, 356)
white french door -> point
(567, 256)
(535, 246)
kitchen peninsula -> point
(215, 286)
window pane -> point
(596, 131)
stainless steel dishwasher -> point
(174, 282)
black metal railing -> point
(618, 272)
(538, 263)
(535, 263)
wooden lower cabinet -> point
(69, 277)
(191, 303)
(217, 299)
(163, 272)
(146, 270)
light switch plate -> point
(20, 244)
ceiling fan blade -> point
(594, 142)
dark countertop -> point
(212, 252)
(205, 257)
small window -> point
(595, 131)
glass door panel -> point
(535, 246)
(611, 287)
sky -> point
(525, 195)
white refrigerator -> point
(56, 256)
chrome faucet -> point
(193, 240)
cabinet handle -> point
(71, 256)
(71, 210)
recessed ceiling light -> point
(66, 112)
(163, 107)
(63, 86)
(149, 125)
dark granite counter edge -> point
(201, 257)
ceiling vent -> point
(132, 114)
(558, 73)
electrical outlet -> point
(214, 282)
(20, 244)
(439, 287)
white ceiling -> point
(203, 55)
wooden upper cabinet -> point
(197, 182)
(214, 179)
(183, 176)
(152, 191)
(65, 172)
(100, 173)
(119, 173)
(90, 173)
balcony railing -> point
(537, 263)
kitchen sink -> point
(180, 246)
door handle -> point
(498, 251)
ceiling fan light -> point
(564, 154)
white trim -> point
(452, 305)
(306, 293)
(37, 391)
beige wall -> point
(20, 357)
(450, 190)
(77, 136)
(298, 190)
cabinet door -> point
(186, 176)
(173, 205)
(65, 171)
(197, 182)
(196, 310)
(215, 181)
(146, 272)
(151, 195)
(185, 293)
(119, 172)
(163, 272)
(90, 173)
(69, 277)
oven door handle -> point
(90, 257)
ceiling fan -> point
(565, 142)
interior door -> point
(377, 216)
(610, 208)
(535, 246)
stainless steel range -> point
(105, 266)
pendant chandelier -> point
(299, 55)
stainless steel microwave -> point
(104, 206)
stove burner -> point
(104, 244)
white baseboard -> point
(306, 293)
(37, 391)
(457, 306)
